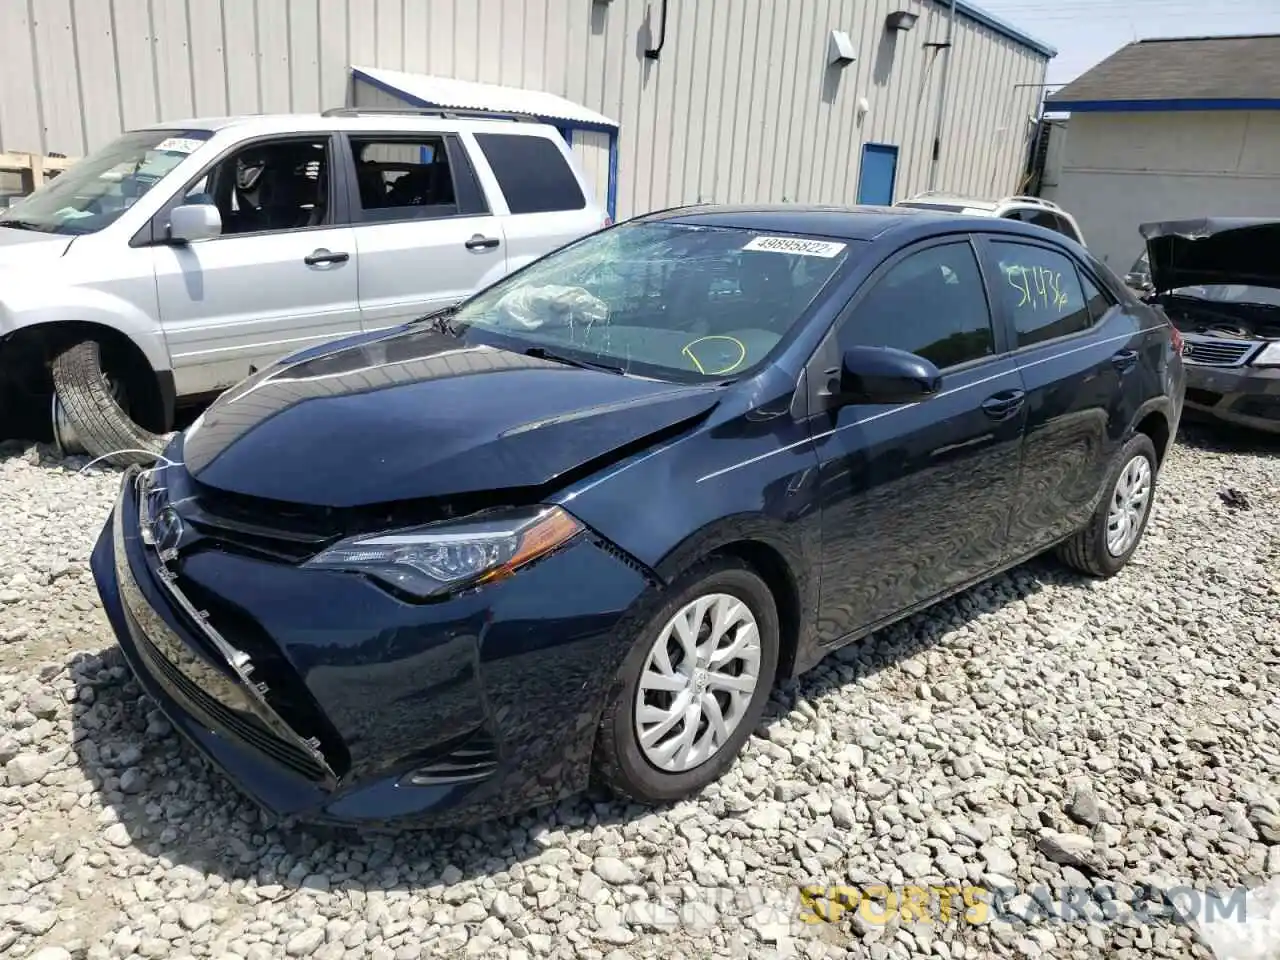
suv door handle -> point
(481, 242)
(1125, 359)
(1003, 405)
(325, 256)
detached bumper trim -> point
(233, 702)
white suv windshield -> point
(668, 300)
(102, 186)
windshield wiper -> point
(438, 319)
(16, 224)
(542, 353)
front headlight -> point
(440, 557)
(1269, 357)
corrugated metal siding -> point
(740, 106)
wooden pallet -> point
(33, 168)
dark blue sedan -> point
(582, 523)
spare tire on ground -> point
(90, 411)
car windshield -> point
(664, 300)
(94, 192)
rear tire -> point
(89, 403)
(1114, 532)
(730, 614)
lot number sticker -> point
(805, 248)
(179, 145)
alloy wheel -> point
(1129, 504)
(697, 683)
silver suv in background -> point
(1036, 210)
(174, 261)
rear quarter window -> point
(532, 172)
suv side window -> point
(932, 303)
(269, 186)
(404, 179)
(1041, 291)
(532, 172)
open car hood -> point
(1213, 250)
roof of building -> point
(424, 90)
(1002, 27)
(1180, 73)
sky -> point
(1088, 31)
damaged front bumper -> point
(322, 697)
(1242, 395)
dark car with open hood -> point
(1218, 279)
(584, 522)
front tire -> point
(93, 409)
(1105, 545)
(693, 688)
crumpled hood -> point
(1214, 250)
(420, 414)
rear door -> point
(424, 231)
(1079, 355)
(916, 497)
(545, 196)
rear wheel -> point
(90, 409)
(1103, 547)
(693, 687)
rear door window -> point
(532, 172)
(1041, 291)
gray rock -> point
(27, 768)
(1067, 848)
(304, 944)
(614, 871)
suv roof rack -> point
(447, 113)
(1034, 201)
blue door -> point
(875, 178)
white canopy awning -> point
(423, 90)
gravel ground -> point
(1042, 731)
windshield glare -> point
(667, 300)
(94, 192)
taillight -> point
(1176, 339)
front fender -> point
(25, 304)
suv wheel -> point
(90, 410)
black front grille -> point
(247, 728)
(1216, 353)
(1205, 398)
(1268, 408)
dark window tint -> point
(1042, 292)
(404, 179)
(932, 303)
(532, 172)
(1097, 301)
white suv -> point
(174, 261)
(1043, 213)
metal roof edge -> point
(978, 15)
(366, 75)
(1184, 104)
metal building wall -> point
(740, 106)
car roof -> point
(271, 123)
(841, 223)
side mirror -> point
(194, 221)
(886, 375)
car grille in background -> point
(1216, 353)
(1205, 398)
(1265, 407)
(248, 729)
